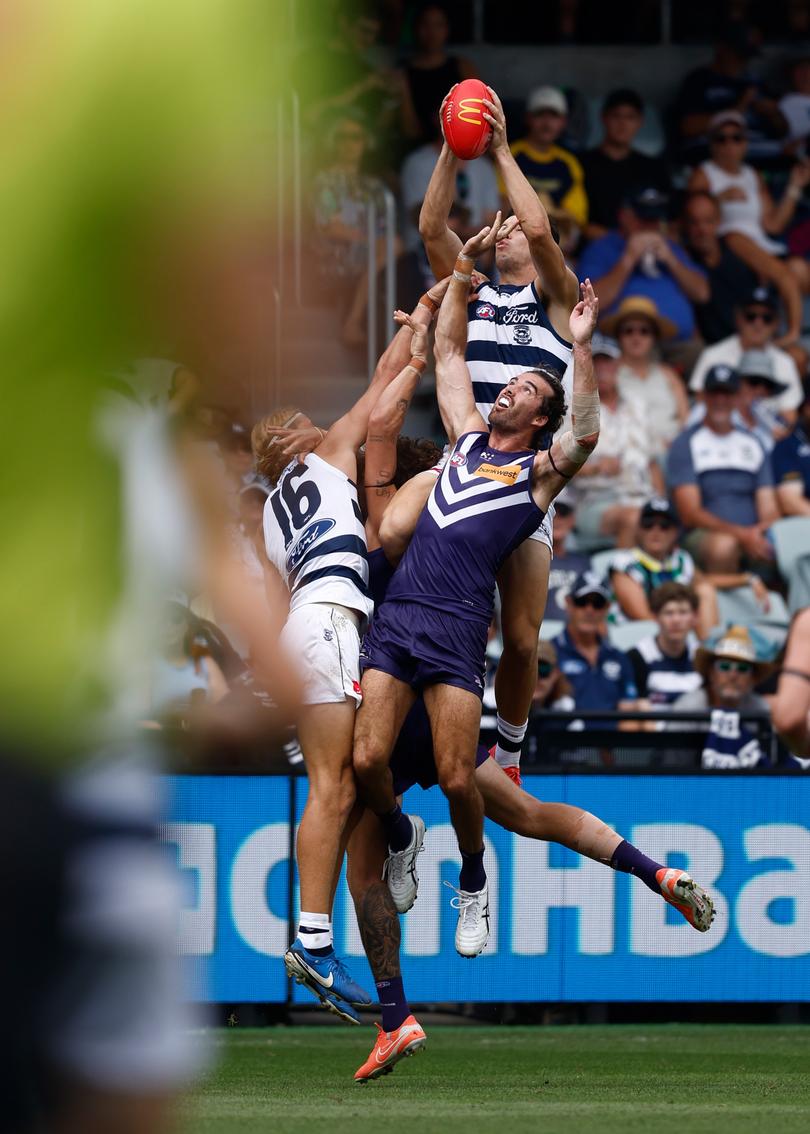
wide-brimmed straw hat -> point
(639, 307)
(735, 643)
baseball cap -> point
(760, 296)
(546, 98)
(623, 96)
(589, 583)
(660, 508)
(759, 364)
(649, 203)
(603, 344)
(721, 378)
(727, 118)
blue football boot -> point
(327, 977)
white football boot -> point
(472, 931)
(400, 868)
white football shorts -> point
(324, 645)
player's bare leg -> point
(400, 1034)
(325, 733)
(455, 719)
(515, 810)
(523, 586)
(386, 702)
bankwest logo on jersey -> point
(506, 474)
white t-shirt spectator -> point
(476, 189)
(796, 109)
(623, 433)
(730, 351)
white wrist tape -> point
(461, 277)
(585, 411)
(577, 454)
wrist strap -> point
(458, 271)
(418, 364)
(431, 304)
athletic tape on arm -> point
(585, 410)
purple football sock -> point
(473, 876)
(630, 860)
(395, 1010)
(398, 829)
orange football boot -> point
(389, 1048)
(512, 771)
(688, 898)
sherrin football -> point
(465, 128)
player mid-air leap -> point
(430, 635)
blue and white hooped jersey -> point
(508, 333)
(480, 509)
(314, 536)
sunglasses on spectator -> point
(598, 602)
(724, 665)
(721, 139)
(544, 669)
(650, 522)
(635, 329)
(751, 316)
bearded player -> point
(430, 635)
(521, 323)
(389, 462)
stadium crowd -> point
(674, 575)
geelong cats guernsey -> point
(480, 509)
(314, 536)
(508, 333)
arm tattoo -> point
(379, 929)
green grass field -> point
(558, 1080)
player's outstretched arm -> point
(558, 281)
(388, 415)
(453, 383)
(553, 469)
(442, 245)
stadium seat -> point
(629, 634)
(740, 605)
(601, 561)
(551, 628)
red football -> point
(466, 130)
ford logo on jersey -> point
(523, 313)
(305, 541)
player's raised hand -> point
(420, 333)
(494, 115)
(585, 314)
(482, 240)
(297, 442)
(439, 290)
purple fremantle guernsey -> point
(480, 509)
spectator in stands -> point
(663, 664)
(791, 705)
(726, 84)
(795, 103)
(756, 320)
(553, 172)
(622, 472)
(183, 673)
(758, 387)
(645, 382)
(429, 73)
(553, 691)
(749, 217)
(657, 559)
(565, 564)
(476, 199)
(613, 169)
(341, 195)
(601, 676)
(730, 669)
(721, 483)
(640, 258)
(791, 464)
(731, 281)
